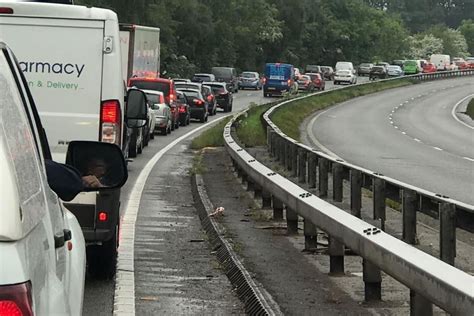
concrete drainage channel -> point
(256, 300)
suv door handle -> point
(60, 239)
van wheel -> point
(203, 118)
(102, 260)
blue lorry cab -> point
(279, 79)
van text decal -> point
(57, 68)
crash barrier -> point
(449, 212)
(431, 281)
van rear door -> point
(65, 82)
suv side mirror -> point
(136, 109)
(101, 165)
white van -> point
(441, 62)
(71, 58)
(344, 65)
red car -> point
(429, 68)
(317, 80)
(462, 65)
(160, 84)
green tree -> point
(467, 29)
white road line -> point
(437, 148)
(314, 140)
(453, 112)
(404, 133)
(124, 299)
(396, 127)
(470, 159)
(417, 140)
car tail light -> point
(103, 217)
(198, 102)
(264, 80)
(318, 81)
(110, 121)
(6, 10)
(172, 97)
(209, 98)
(162, 99)
(16, 300)
(181, 109)
(289, 82)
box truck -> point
(71, 58)
(140, 49)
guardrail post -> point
(419, 305)
(287, 162)
(323, 167)
(250, 184)
(291, 221)
(447, 240)
(379, 200)
(277, 208)
(336, 256)
(277, 148)
(372, 281)
(257, 191)
(356, 192)
(312, 165)
(302, 155)
(282, 150)
(409, 206)
(310, 235)
(273, 140)
(269, 138)
(266, 199)
(337, 182)
(294, 160)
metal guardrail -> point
(431, 281)
(451, 213)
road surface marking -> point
(314, 140)
(453, 112)
(124, 297)
(470, 159)
(417, 140)
(404, 133)
(437, 148)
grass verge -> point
(198, 166)
(250, 130)
(470, 109)
(211, 137)
(289, 117)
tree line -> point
(199, 34)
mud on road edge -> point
(256, 299)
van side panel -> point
(65, 82)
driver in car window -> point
(94, 172)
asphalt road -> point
(99, 294)
(410, 134)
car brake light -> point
(182, 109)
(171, 97)
(103, 217)
(16, 300)
(110, 121)
(6, 10)
(198, 102)
(209, 97)
(162, 99)
(289, 82)
(264, 80)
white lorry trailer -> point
(71, 58)
(140, 47)
(140, 50)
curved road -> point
(411, 134)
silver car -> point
(160, 112)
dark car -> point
(198, 105)
(223, 96)
(203, 77)
(211, 99)
(364, 69)
(313, 69)
(227, 75)
(160, 84)
(317, 80)
(183, 108)
(327, 72)
(378, 72)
